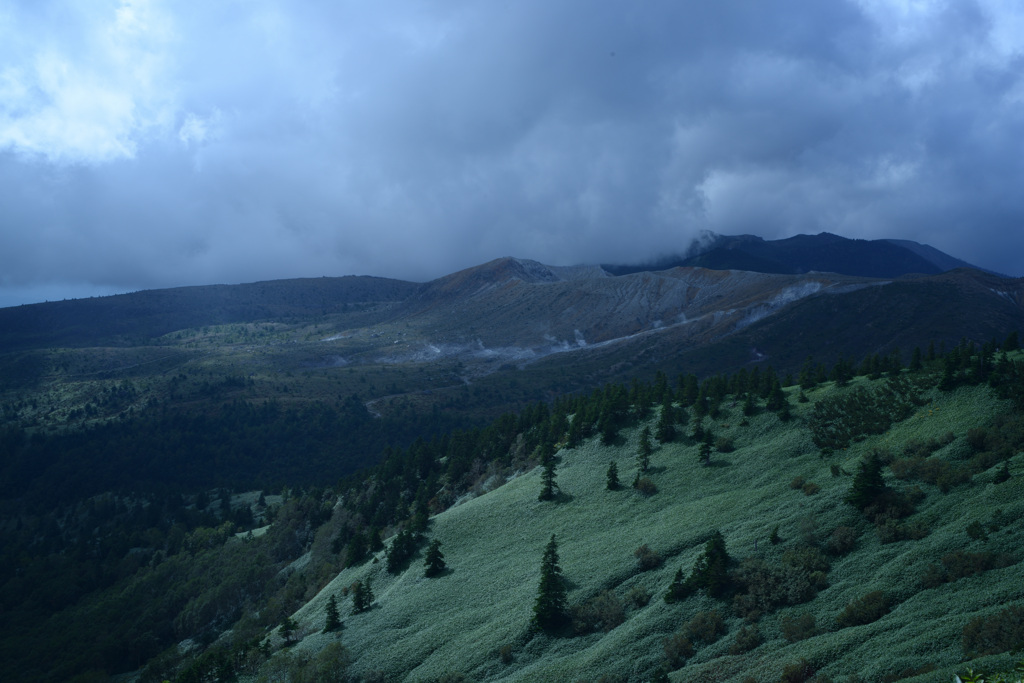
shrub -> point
(705, 627)
(996, 633)
(976, 531)
(747, 639)
(766, 587)
(810, 488)
(798, 627)
(603, 612)
(797, 483)
(798, 672)
(842, 540)
(892, 531)
(645, 486)
(638, 597)
(505, 654)
(646, 558)
(678, 649)
(864, 610)
(724, 444)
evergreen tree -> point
(776, 397)
(749, 406)
(434, 561)
(915, 359)
(666, 430)
(550, 612)
(1012, 342)
(704, 452)
(613, 477)
(644, 450)
(333, 621)
(711, 570)
(678, 589)
(402, 549)
(868, 484)
(288, 628)
(362, 596)
(548, 490)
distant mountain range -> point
(823, 252)
(732, 300)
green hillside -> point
(474, 620)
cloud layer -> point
(155, 143)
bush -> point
(678, 649)
(768, 586)
(706, 627)
(603, 612)
(646, 558)
(797, 672)
(638, 597)
(864, 610)
(959, 564)
(798, 627)
(996, 633)
(797, 483)
(645, 486)
(724, 444)
(747, 639)
(505, 654)
(842, 540)
(810, 488)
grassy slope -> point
(457, 623)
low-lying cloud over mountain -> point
(154, 144)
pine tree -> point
(362, 596)
(550, 612)
(868, 484)
(613, 477)
(666, 430)
(711, 570)
(333, 621)
(548, 490)
(644, 450)
(434, 561)
(288, 628)
(678, 589)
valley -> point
(144, 436)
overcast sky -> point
(159, 143)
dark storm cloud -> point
(153, 144)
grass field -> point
(421, 629)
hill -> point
(937, 568)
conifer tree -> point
(288, 628)
(333, 621)
(915, 359)
(644, 450)
(613, 477)
(434, 561)
(678, 589)
(362, 596)
(711, 570)
(548, 490)
(550, 612)
(666, 431)
(868, 483)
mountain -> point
(182, 470)
(824, 252)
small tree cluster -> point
(362, 596)
(402, 549)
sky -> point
(159, 143)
